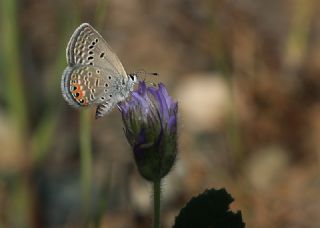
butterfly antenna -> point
(153, 73)
(141, 73)
(144, 73)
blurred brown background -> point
(246, 74)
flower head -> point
(150, 124)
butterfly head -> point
(133, 78)
(132, 81)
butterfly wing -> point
(87, 85)
(87, 47)
(95, 75)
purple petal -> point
(142, 101)
(123, 107)
(173, 108)
(142, 88)
(126, 106)
(164, 92)
(164, 112)
(172, 123)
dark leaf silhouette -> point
(209, 209)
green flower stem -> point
(156, 203)
(12, 72)
(86, 161)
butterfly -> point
(94, 75)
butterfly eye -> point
(81, 101)
(73, 88)
(107, 84)
(101, 55)
(77, 94)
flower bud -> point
(150, 125)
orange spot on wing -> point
(81, 99)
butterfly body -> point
(94, 75)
